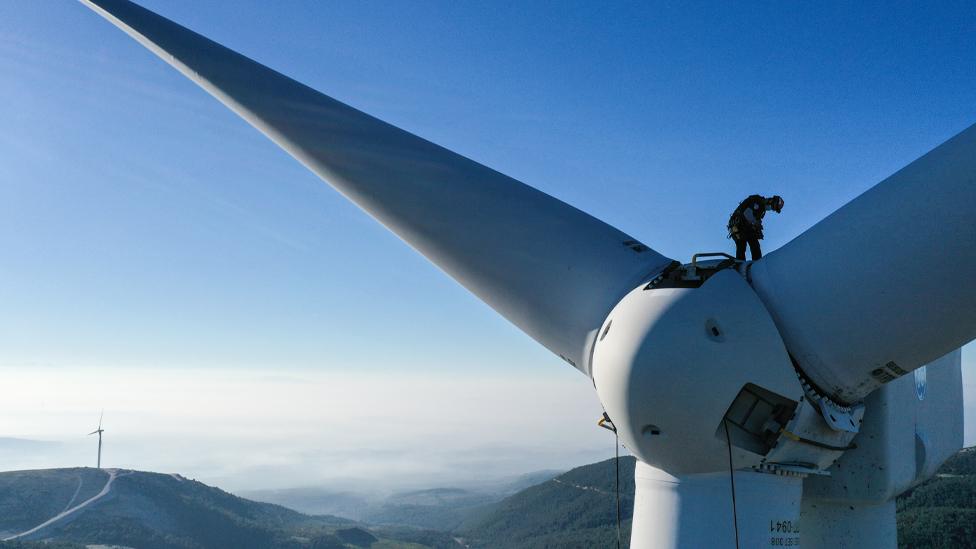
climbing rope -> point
(607, 424)
(735, 517)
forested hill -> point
(156, 511)
(574, 510)
(942, 511)
(577, 509)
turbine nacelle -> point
(669, 363)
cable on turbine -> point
(735, 517)
(797, 438)
(607, 424)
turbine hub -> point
(675, 366)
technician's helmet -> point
(776, 202)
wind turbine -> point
(747, 390)
(99, 432)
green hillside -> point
(28, 498)
(156, 511)
(577, 509)
(574, 510)
(438, 509)
(941, 512)
(443, 508)
(41, 545)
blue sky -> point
(143, 225)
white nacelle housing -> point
(669, 362)
(912, 425)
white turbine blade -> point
(100, 416)
(93, 432)
(885, 284)
(551, 269)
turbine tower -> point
(99, 432)
(750, 392)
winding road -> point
(581, 487)
(112, 475)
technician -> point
(745, 224)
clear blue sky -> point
(143, 225)
(141, 222)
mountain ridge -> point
(439, 508)
(166, 511)
(576, 509)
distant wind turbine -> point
(99, 431)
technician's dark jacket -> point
(746, 221)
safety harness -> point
(739, 227)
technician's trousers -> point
(740, 248)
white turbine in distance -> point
(99, 432)
(787, 370)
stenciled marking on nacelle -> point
(920, 383)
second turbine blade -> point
(886, 283)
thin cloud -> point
(250, 429)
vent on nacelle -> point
(756, 418)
